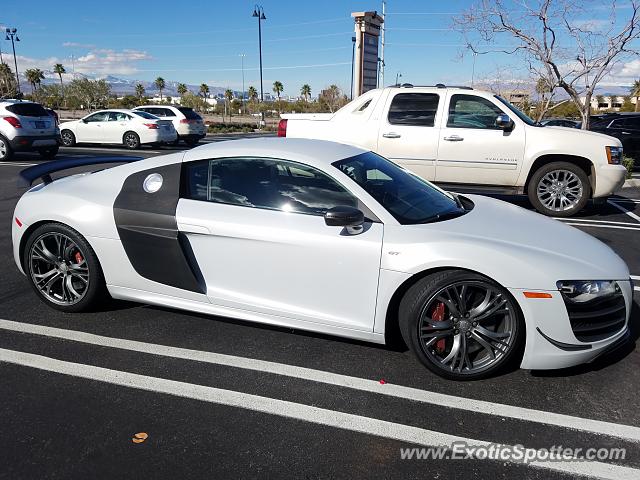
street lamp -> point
(242, 55)
(353, 56)
(398, 77)
(258, 12)
(13, 33)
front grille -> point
(597, 319)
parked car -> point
(27, 127)
(189, 125)
(320, 236)
(623, 126)
(559, 122)
(127, 127)
(465, 139)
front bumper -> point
(28, 143)
(608, 179)
(551, 343)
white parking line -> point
(588, 220)
(631, 214)
(283, 408)
(602, 226)
(17, 164)
(626, 432)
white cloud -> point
(623, 74)
(97, 61)
(78, 45)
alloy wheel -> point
(130, 140)
(560, 190)
(67, 138)
(58, 269)
(3, 148)
(467, 327)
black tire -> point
(49, 153)
(68, 138)
(6, 152)
(192, 142)
(94, 291)
(553, 207)
(131, 140)
(426, 293)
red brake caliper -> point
(78, 257)
(438, 315)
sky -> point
(202, 42)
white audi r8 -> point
(329, 238)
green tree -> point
(204, 90)
(140, 91)
(159, 84)
(90, 94)
(306, 91)
(182, 89)
(635, 92)
(34, 77)
(7, 81)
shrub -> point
(628, 162)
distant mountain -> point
(119, 86)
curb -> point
(631, 183)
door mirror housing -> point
(504, 122)
(344, 216)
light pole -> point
(242, 55)
(13, 32)
(258, 12)
(353, 56)
(398, 77)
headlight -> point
(580, 291)
(614, 155)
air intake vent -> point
(597, 319)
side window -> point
(167, 113)
(97, 117)
(470, 111)
(118, 117)
(631, 123)
(265, 183)
(417, 109)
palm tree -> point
(228, 94)
(277, 88)
(635, 91)
(140, 91)
(159, 83)
(34, 77)
(6, 79)
(182, 89)
(204, 90)
(306, 91)
(59, 69)
(252, 93)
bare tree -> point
(574, 54)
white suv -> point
(27, 127)
(187, 123)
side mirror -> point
(344, 216)
(83, 120)
(504, 122)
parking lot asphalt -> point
(221, 398)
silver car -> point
(27, 127)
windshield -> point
(404, 195)
(525, 118)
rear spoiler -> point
(44, 170)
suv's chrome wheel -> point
(560, 190)
(467, 327)
(58, 268)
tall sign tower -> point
(367, 28)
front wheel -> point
(68, 138)
(131, 140)
(461, 325)
(559, 189)
(49, 153)
(63, 269)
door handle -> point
(391, 135)
(453, 138)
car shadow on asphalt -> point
(608, 358)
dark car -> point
(559, 122)
(624, 126)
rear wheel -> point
(191, 142)
(559, 189)
(5, 150)
(49, 153)
(131, 140)
(63, 269)
(461, 325)
(68, 138)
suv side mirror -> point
(343, 216)
(504, 122)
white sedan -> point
(125, 127)
(320, 236)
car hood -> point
(576, 135)
(517, 247)
(68, 124)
